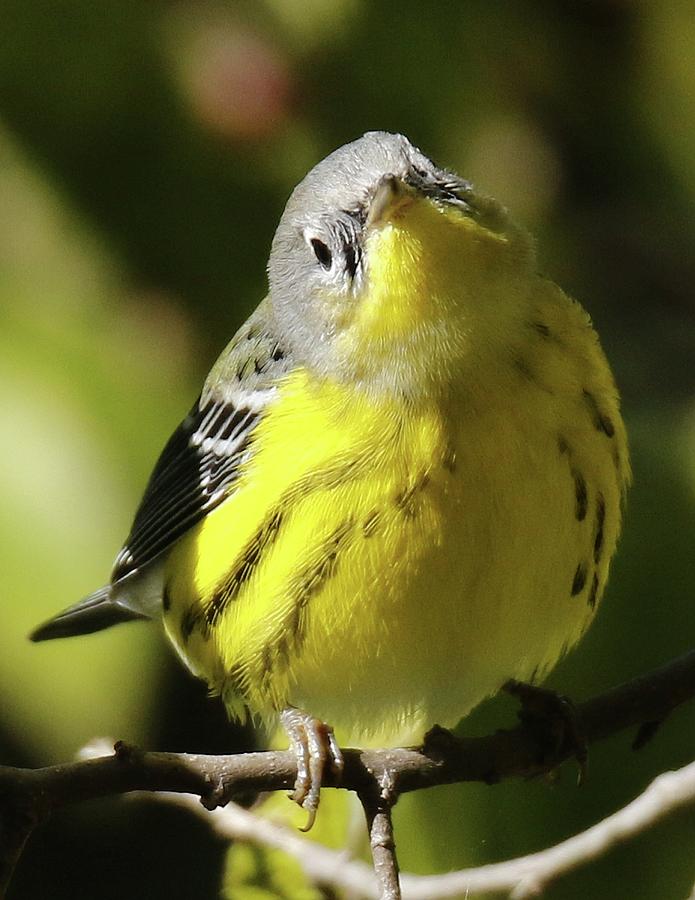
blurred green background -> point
(146, 151)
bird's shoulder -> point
(202, 459)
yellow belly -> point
(385, 566)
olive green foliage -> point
(146, 149)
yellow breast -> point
(388, 562)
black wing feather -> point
(192, 476)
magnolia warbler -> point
(401, 485)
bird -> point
(402, 483)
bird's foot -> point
(314, 745)
(555, 719)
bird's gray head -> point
(320, 267)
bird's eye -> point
(322, 252)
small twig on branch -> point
(32, 794)
(377, 803)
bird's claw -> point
(556, 719)
(314, 745)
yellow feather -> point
(392, 556)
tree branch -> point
(322, 865)
(529, 875)
(28, 795)
(524, 877)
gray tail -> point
(95, 612)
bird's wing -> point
(192, 476)
(202, 459)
